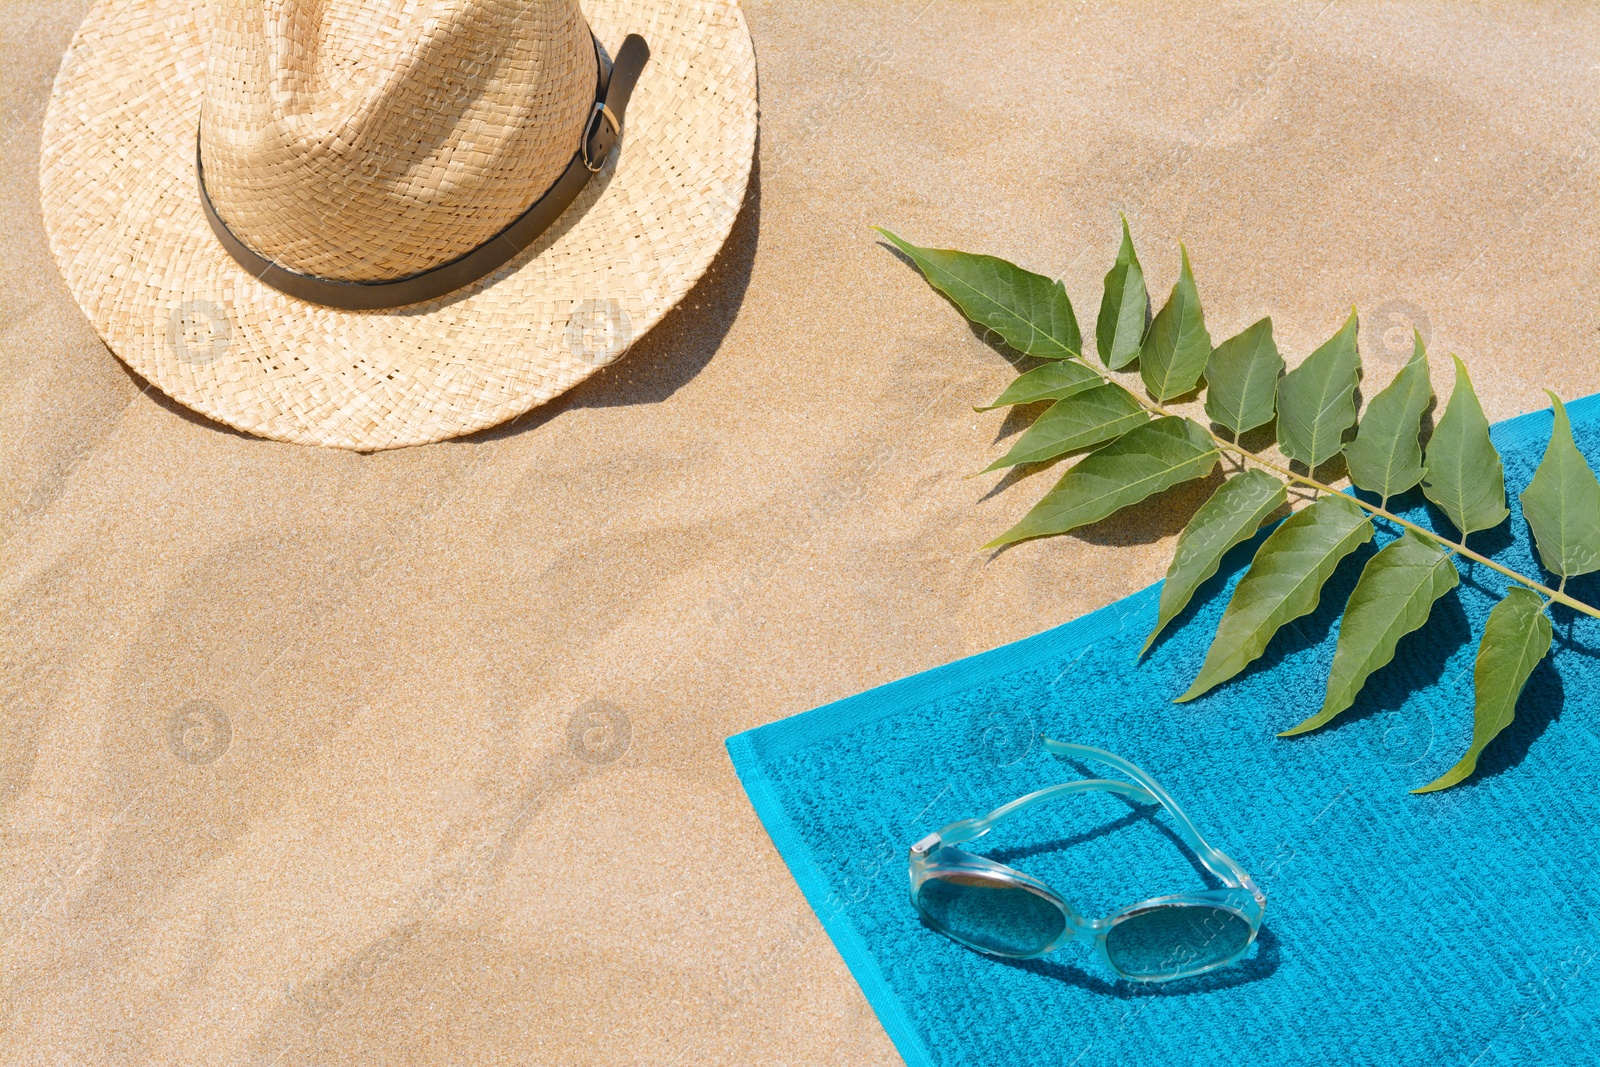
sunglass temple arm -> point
(1218, 862)
(969, 829)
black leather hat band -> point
(601, 130)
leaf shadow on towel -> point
(1537, 708)
(1542, 699)
(1420, 658)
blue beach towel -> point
(1459, 928)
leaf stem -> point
(1384, 513)
(1558, 595)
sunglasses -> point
(1003, 912)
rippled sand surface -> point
(309, 757)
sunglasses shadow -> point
(1262, 963)
(1137, 813)
(1140, 813)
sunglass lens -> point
(1170, 942)
(991, 914)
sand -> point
(416, 757)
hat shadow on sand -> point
(679, 346)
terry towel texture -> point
(1456, 928)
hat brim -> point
(122, 210)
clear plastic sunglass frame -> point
(935, 856)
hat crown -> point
(365, 141)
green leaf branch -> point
(1137, 446)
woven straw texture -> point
(360, 144)
(122, 210)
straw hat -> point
(370, 224)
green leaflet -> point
(1140, 463)
(1053, 381)
(1242, 379)
(1562, 503)
(1284, 582)
(1079, 421)
(1231, 515)
(1394, 595)
(1515, 638)
(1386, 457)
(1120, 327)
(1464, 476)
(1029, 311)
(1135, 457)
(1174, 352)
(1316, 400)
